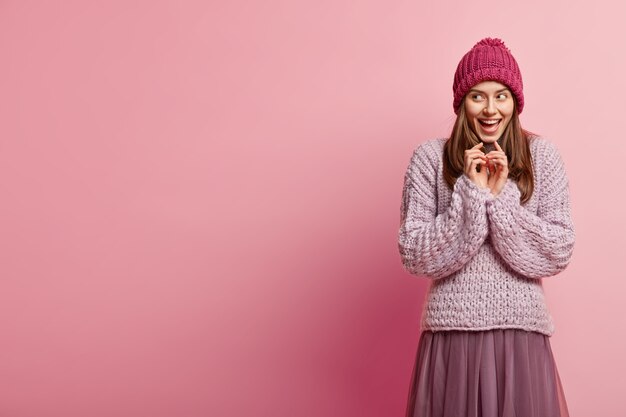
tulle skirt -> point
(492, 373)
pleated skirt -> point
(492, 373)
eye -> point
(477, 96)
(503, 95)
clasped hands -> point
(494, 168)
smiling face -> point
(488, 107)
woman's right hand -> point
(474, 157)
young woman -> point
(485, 215)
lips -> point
(489, 127)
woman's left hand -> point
(498, 166)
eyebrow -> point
(499, 91)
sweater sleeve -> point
(434, 245)
(535, 245)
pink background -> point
(200, 200)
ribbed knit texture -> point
(485, 255)
(489, 59)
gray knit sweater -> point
(486, 256)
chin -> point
(489, 139)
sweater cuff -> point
(509, 196)
(483, 194)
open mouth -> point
(490, 126)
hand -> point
(473, 158)
(498, 166)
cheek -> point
(471, 112)
(508, 110)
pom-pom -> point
(491, 42)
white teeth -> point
(490, 122)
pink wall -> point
(200, 201)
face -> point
(486, 103)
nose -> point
(491, 106)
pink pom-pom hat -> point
(489, 59)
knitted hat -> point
(489, 59)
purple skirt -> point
(492, 373)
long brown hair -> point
(515, 143)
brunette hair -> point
(515, 143)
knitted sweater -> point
(485, 255)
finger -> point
(480, 157)
(476, 161)
(498, 147)
(497, 158)
(474, 164)
(469, 160)
(477, 145)
(475, 154)
(475, 149)
(479, 161)
(500, 159)
(499, 165)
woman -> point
(485, 216)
